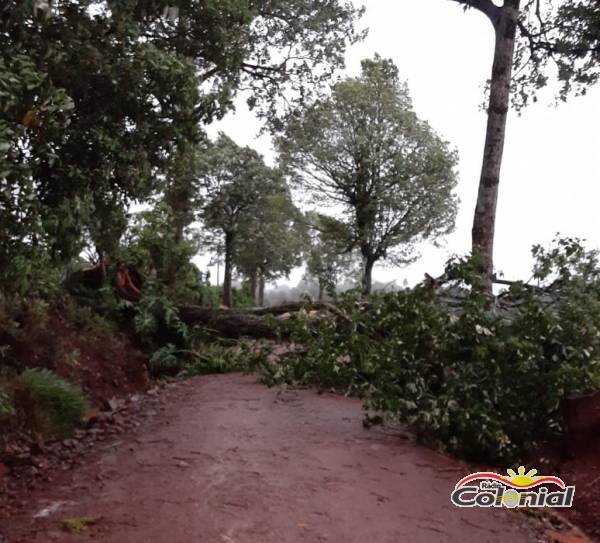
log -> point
(255, 323)
(294, 307)
(231, 323)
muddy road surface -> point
(231, 461)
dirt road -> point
(230, 461)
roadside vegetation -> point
(484, 382)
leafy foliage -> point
(165, 361)
(236, 185)
(479, 383)
(157, 319)
(100, 99)
(213, 358)
(271, 240)
(52, 406)
(561, 38)
(364, 149)
(328, 259)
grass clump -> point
(51, 406)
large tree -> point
(529, 35)
(235, 183)
(364, 149)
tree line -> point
(104, 105)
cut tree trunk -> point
(255, 323)
(232, 323)
(487, 198)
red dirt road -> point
(231, 461)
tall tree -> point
(364, 149)
(529, 34)
(235, 183)
(272, 241)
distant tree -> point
(235, 183)
(364, 149)
(529, 35)
(272, 241)
(328, 259)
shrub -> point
(51, 406)
(157, 319)
(241, 298)
(166, 362)
(481, 383)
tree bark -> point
(228, 274)
(487, 198)
(178, 228)
(253, 285)
(321, 292)
(257, 323)
(367, 278)
(232, 323)
(261, 290)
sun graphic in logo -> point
(521, 478)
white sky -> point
(551, 172)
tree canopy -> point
(365, 150)
(98, 96)
(272, 241)
(236, 186)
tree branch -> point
(487, 7)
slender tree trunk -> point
(227, 279)
(178, 228)
(321, 291)
(485, 211)
(253, 284)
(367, 278)
(261, 290)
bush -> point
(166, 362)
(157, 321)
(217, 358)
(50, 405)
(481, 383)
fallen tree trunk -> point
(294, 307)
(256, 323)
(231, 323)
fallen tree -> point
(263, 322)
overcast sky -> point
(551, 172)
